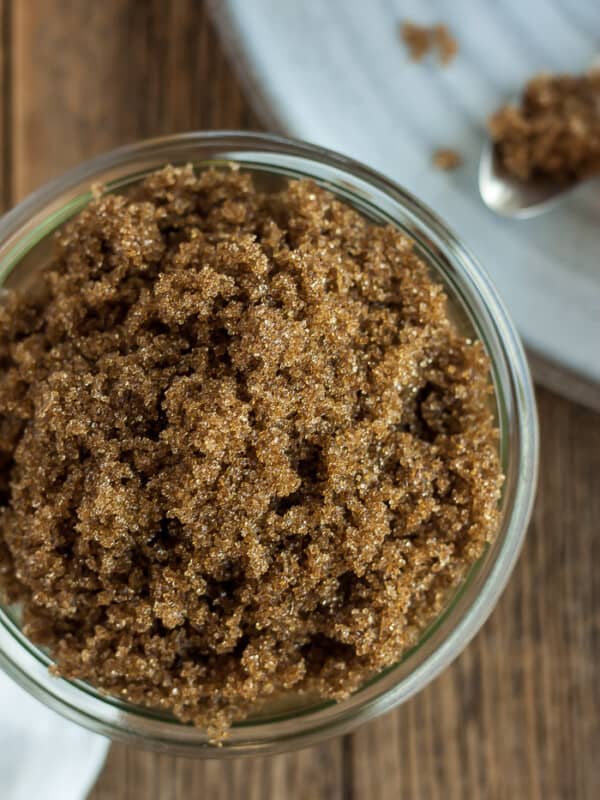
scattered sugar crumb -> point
(446, 159)
(420, 40)
(446, 44)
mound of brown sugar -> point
(554, 133)
(420, 40)
(244, 451)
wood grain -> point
(5, 105)
(306, 775)
(518, 714)
(108, 73)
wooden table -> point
(518, 714)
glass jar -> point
(25, 245)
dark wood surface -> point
(518, 714)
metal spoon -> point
(510, 197)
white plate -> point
(334, 72)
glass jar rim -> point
(38, 215)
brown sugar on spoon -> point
(245, 451)
(554, 133)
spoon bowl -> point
(511, 197)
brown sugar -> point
(244, 450)
(446, 159)
(445, 43)
(420, 40)
(555, 132)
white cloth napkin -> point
(42, 755)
